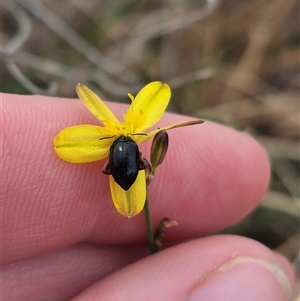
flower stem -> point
(152, 244)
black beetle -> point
(124, 162)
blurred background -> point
(235, 61)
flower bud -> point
(159, 148)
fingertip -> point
(212, 177)
(213, 268)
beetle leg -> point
(106, 168)
(144, 164)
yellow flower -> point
(88, 143)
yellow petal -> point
(81, 144)
(132, 201)
(95, 104)
(148, 107)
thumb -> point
(213, 268)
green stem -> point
(152, 244)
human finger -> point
(62, 274)
(214, 268)
(212, 177)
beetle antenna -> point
(107, 137)
(142, 134)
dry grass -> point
(234, 61)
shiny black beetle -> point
(124, 162)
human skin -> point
(62, 237)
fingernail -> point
(246, 279)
